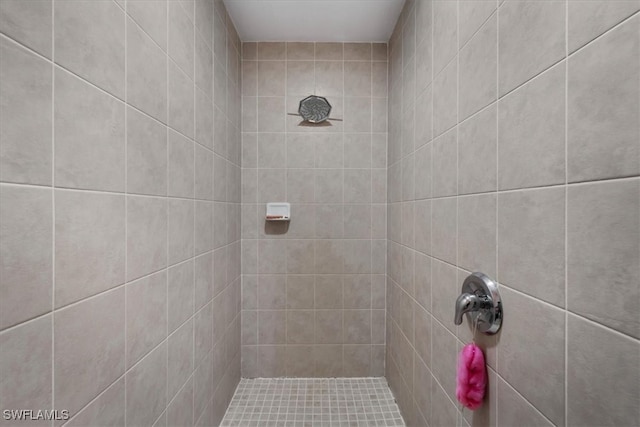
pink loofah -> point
(472, 377)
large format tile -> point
(151, 16)
(445, 99)
(181, 38)
(513, 409)
(146, 73)
(588, 19)
(146, 315)
(271, 78)
(603, 242)
(180, 410)
(146, 155)
(477, 234)
(477, 146)
(422, 171)
(180, 217)
(204, 119)
(203, 227)
(180, 296)
(473, 14)
(90, 41)
(535, 370)
(531, 245)
(26, 249)
(444, 229)
(203, 173)
(613, 365)
(29, 23)
(146, 235)
(89, 349)
(180, 100)
(531, 125)
(147, 388)
(531, 39)
(203, 277)
(444, 289)
(445, 163)
(106, 410)
(478, 69)
(443, 365)
(26, 103)
(89, 136)
(25, 363)
(89, 227)
(203, 329)
(444, 411)
(180, 166)
(604, 106)
(445, 33)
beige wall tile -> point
(26, 151)
(152, 17)
(29, 24)
(300, 51)
(603, 235)
(531, 124)
(147, 388)
(108, 147)
(603, 98)
(90, 41)
(495, 148)
(89, 226)
(616, 360)
(89, 134)
(271, 50)
(532, 227)
(531, 38)
(146, 155)
(26, 363)
(146, 73)
(106, 409)
(298, 361)
(90, 338)
(331, 51)
(27, 265)
(445, 99)
(546, 363)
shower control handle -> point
(481, 300)
(467, 303)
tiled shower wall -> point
(313, 290)
(120, 199)
(514, 149)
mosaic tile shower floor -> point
(313, 402)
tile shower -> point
(313, 293)
(140, 285)
(119, 210)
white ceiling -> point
(315, 20)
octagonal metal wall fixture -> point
(314, 109)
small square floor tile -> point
(313, 402)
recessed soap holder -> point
(279, 211)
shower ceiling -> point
(315, 20)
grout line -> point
(126, 207)
(497, 188)
(53, 209)
(566, 219)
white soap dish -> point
(278, 211)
